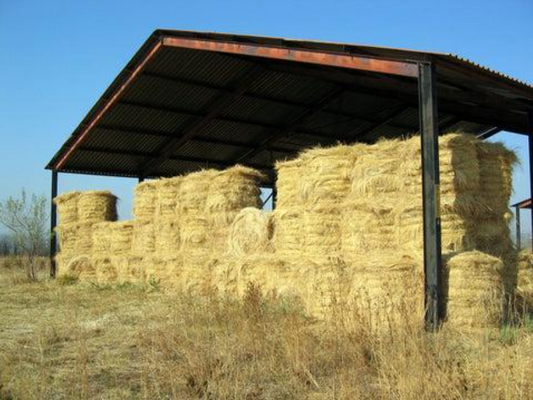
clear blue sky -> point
(57, 58)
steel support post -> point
(518, 229)
(530, 142)
(53, 224)
(431, 191)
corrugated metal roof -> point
(164, 91)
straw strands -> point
(347, 227)
(96, 206)
(250, 232)
(475, 290)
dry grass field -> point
(62, 339)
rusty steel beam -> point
(291, 126)
(116, 96)
(353, 62)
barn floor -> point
(68, 340)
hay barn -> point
(375, 157)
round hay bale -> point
(250, 232)
(97, 206)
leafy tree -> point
(25, 218)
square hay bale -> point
(97, 206)
(168, 193)
(143, 238)
(145, 201)
(67, 207)
(121, 234)
(475, 290)
(167, 239)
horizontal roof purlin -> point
(188, 94)
(528, 203)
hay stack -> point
(525, 273)
(67, 207)
(167, 238)
(193, 191)
(143, 238)
(80, 267)
(97, 206)
(75, 239)
(384, 283)
(145, 201)
(250, 232)
(311, 189)
(475, 290)
(101, 238)
(168, 191)
(121, 237)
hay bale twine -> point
(475, 290)
(250, 232)
(145, 201)
(97, 206)
(67, 207)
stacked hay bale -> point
(376, 207)
(524, 287)
(476, 291)
(144, 211)
(78, 213)
(112, 246)
(192, 219)
(311, 191)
